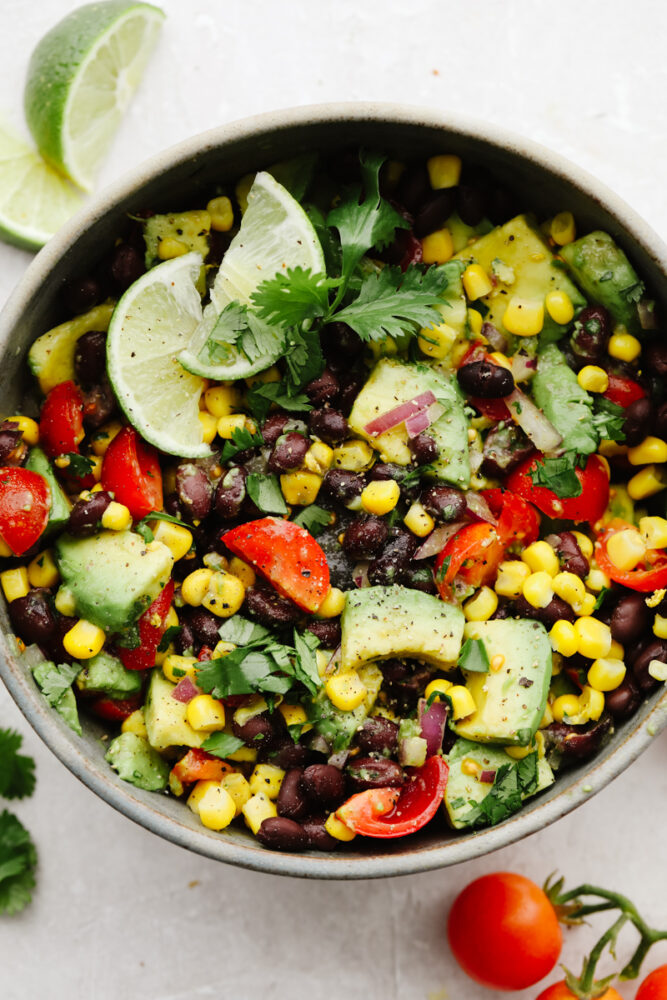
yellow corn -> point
(559, 306)
(215, 806)
(222, 648)
(332, 605)
(417, 520)
(651, 450)
(476, 282)
(294, 715)
(135, 723)
(29, 428)
(463, 703)
(42, 571)
(597, 580)
(300, 488)
(84, 640)
(519, 753)
(475, 321)
(438, 247)
(244, 755)
(660, 627)
(116, 517)
(176, 537)
(224, 595)
(175, 667)
(593, 637)
(271, 374)
(380, 497)
(624, 346)
(266, 778)
(209, 426)
(563, 638)
(258, 808)
(102, 438)
(547, 718)
(470, 767)
(5, 551)
(230, 423)
(318, 458)
(205, 713)
(566, 707)
(170, 247)
(64, 602)
(222, 400)
(241, 570)
(592, 378)
(541, 558)
(96, 467)
(444, 171)
(523, 317)
(195, 586)
(437, 341)
(222, 214)
(586, 607)
(654, 532)
(606, 674)
(337, 829)
(616, 651)
(591, 705)
(570, 588)
(346, 691)
(438, 686)
(511, 577)
(15, 583)
(239, 789)
(480, 607)
(626, 549)
(562, 229)
(537, 589)
(647, 483)
(584, 543)
(354, 456)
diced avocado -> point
(510, 700)
(166, 724)
(136, 761)
(380, 622)
(60, 505)
(338, 727)
(523, 266)
(606, 275)
(463, 234)
(114, 575)
(464, 791)
(562, 400)
(393, 382)
(106, 674)
(454, 309)
(189, 228)
(51, 357)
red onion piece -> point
(532, 421)
(185, 690)
(339, 759)
(496, 339)
(360, 574)
(432, 721)
(392, 418)
(523, 367)
(418, 422)
(479, 508)
(487, 777)
(437, 540)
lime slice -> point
(156, 316)
(81, 78)
(275, 234)
(35, 201)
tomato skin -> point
(61, 420)
(197, 765)
(640, 579)
(115, 709)
(287, 555)
(561, 991)
(591, 503)
(654, 987)
(25, 502)
(393, 812)
(623, 391)
(150, 634)
(131, 471)
(504, 932)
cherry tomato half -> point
(651, 575)
(152, 626)
(623, 391)
(25, 501)
(504, 932)
(654, 987)
(287, 555)
(197, 765)
(561, 991)
(61, 420)
(132, 472)
(588, 506)
(116, 709)
(473, 554)
(393, 812)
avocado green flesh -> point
(454, 310)
(606, 275)
(510, 701)
(105, 674)
(337, 726)
(136, 761)
(382, 622)
(562, 400)
(166, 724)
(51, 357)
(114, 575)
(186, 227)
(60, 506)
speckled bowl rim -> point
(139, 806)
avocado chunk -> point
(606, 275)
(511, 700)
(381, 622)
(523, 266)
(454, 309)
(394, 382)
(136, 761)
(60, 505)
(189, 228)
(335, 725)
(51, 357)
(462, 234)
(513, 781)
(114, 575)
(105, 674)
(563, 401)
(166, 724)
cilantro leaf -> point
(303, 357)
(313, 518)
(609, 420)
(17, 771)
(241, 440)
(473, 656)
(512, 784)
(166, 639)
(305, 666)
(633, 292)
(264, 491)
(259, 400)
(558, 475)
(292, 298)
(242, 632)
(55, 683)
(221, 744)
(18, 860)
(239, 329)
(142, 528)
(78, 465)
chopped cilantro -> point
(633, 292)
(559, 475)
(609, 420)
(18, 860)
(221, 744)
(293, 297)
(512, 784)
(242, 439)
(599, 601)
(239, 329)
(442, 571)
(303, 358)
(474, 656)
(17, 772)
(313, 518)
(166, 639)
(55, 683)
(259, 400)
(264, 491)
(143, 529)
(78, 465)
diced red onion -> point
(333, 662)
(532, 421)
(437, 540)
(497, 340)
(392, 418)
(487, 777)
(432, 721)
(646, 313)
(476, 459)
(360, 574)
(319, 744)
(523, 367)
(339, 759)
(185, 690)
(479, 508)
(418, 422)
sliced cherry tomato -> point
(61, 420)
(287, 555)
(649, 575)
(116, 709)
(654, 987)
(197, 765)
(623, 391)
(473, 554)
(205, 653)
(132, 472)
(518, 521)
(561, 991)
(152, 626)
(588, 506)
(504, 932)
(393, 812)
(25, 502)
(494, 409)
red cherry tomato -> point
(623, 391)
(393, 812)
(561, 991)
(61, 420)
(654, 987)
(25, 501)
(287, 555)
(152, 626)
(197, 765)
(132, 472)
(116, 709)
(588, 506)
(503, 931)
(473, 554)
(647, 576)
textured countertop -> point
(120, 913)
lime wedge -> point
(156, 316)
(81, 78)
(275, 235)
(35, 201)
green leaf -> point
(18, 860)
(558, 475)
(55, 683)
(144, 530)
(241, 440)
(292, 298)
(238, 672)
(609, 420)
(17, 771)
(303, 358)
(599, 601)
(259, 400)
(222, 744)
(473, 656)
(243, 632)
(264, 491)
(238, 328)
(305, 667)
(166, 639)
(513, 782)
(313, 518)
(79, 465)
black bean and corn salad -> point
(346, 501)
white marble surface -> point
(119, 913)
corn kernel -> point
(244, 755)
(606, 674)
(626, 549)
(654, 532)
(586, 607)
(258, 808)
(660, 627)
(570, 588)
(103, 437)
(417, 520)
(337, 829)
(463, 703)
(591, 705)
(497, 662)
(205, 714)
(84, 640)
(169, 247)
(647, 483)
(222, 400)
(437, 247)
(437, 341)
(519, 753)
(42, 571)
(470, 767)
(222, 214)
(5, 550)
(481, 606)
(656, 598)
(271, 374)
(616, 651)
(444, 171)
(563, 638)
(346, 691)
(562, 229)
(176, 667)
(215, 806)
(560, 308)
(354, 456)
(332, 605)
(537, 589)
(300, 488)
(541, 558)
(511, 577)
(28, 427)
(380, 497)
(318, 458)
(230, 423)
(96, 467)
(176, 537)
(64, 601)
(556, 663)
(209, 426)
(222, 648)
(224, 595)
(294, 715)
(266, 778)
(116, 517)
(198, 791)
(657, 669)
(236, 785)
(651, 450)
(593, 637)
(624, 346)
(476, 282)
(565, 708)
(438, 686)
(523, 317)
(475, 321)
(135, 723)
(195, 586)
(592, 378)
(501, 359)
(597, 580)
(15, 583)
(584, 543)
(244, 572)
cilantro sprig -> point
(18, 857)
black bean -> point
(374, 772)
(195, 492)
(640, 660)
(434, 212)
(419, 578)
(387, 470)
(328, 632)
(398, 553)
(630, 619)
(365, 536)
(318, 837)
(82, 294)
(230, 493)
(288, 452)
(341, 344)
(485, 379)
(323, 389)
(127, 264)
(327, 424)
(258, 731)
(505, 447)
(350, 385)
(267, 607)
(572, 559)
(12, 446)
(661, 421)
(414, 187)
(90, 356)
(554, 611)
(184, 642)
(85, 515)
(424, 449)
(404, 684)
(274, 426)
(572, 743)
(592, 330)
(654, 357)
(500, 206)
(444, 502)
(624, 700)
(53, 646)
(32, 617)
(289, 754)
(341, 486)
(470, 204)
(324, 785)
(99, 404)
(282, 834)
(292, 801)
(637, 421)
(205, 627)
(378, 735)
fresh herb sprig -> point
(18, 856)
